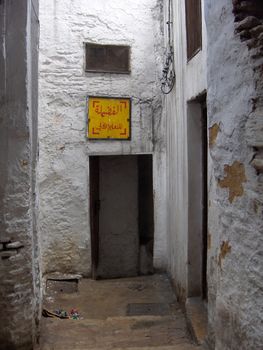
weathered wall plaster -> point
(235, 262)
(19, 267)
(64, 85)
(190, 83)
(234, 178)
(213, 132)
(234, 101)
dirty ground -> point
(130, 313)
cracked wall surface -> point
(234, 100)
(64, 86)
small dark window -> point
(193, 27)
(107, 58)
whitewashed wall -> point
(20, 295)
(190, 82)
(64, 85)
(235, 262)
(234, 108)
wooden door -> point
(114, 216)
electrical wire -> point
(168, 78)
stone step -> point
(196, 317)
(133, 332)
(182, 346)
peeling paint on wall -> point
(213, 132)
(234, 101)
(233, 180)
(225, 249)
(209, 241)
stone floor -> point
(132, 313)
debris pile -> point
(60, 313)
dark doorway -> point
(198, 206)
(204, 197)
(145, 206)
(121, 215)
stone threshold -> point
(196, 317)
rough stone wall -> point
(19, 272)
(64, 149)
(235, 117)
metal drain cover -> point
(155, 309)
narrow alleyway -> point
(131, 313)
(131, 143)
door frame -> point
(197, 197)
(94, 208)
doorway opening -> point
(198, 197)
(121, 215)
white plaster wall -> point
(234, 274)
(19, 247)
(64, 85)
(190, 82)
(234, 101)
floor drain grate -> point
(156, 309)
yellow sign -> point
(109, 118)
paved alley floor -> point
(131, 313)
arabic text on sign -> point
(109, 118)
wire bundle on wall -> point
(168, 78)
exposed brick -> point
(257, 53)
(248, 23)
(250, 7)
(5, 240)
(251, 43)
(14, 245)
(244, 35)
(256, 31)
(258, 164)
(246, 5)
(239, 17)
(249, 19)
(6, 254)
